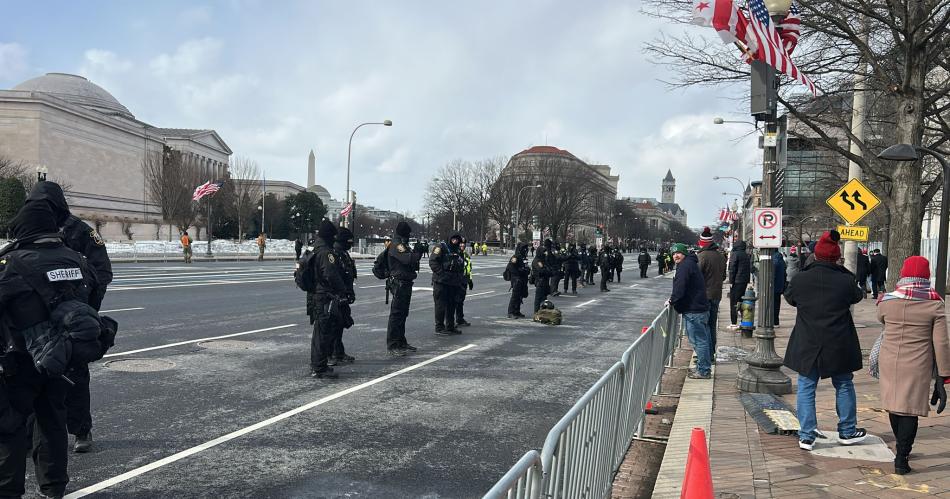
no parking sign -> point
(767, 228)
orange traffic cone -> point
(697, 481)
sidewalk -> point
(747, 463)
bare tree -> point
(245, 174)
(171, 178)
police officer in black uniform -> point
(403, 270)
(329, 286)
(604, 261)
(37, 273)
(541, 271)
(518, 271)
(82, 238)
(557, 258)
(572, 268)
(644, 261)
(448, 279)
(347, 268)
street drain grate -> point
(226, 344)
(139, 365)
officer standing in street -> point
(467, 273)
(79, 237)
(541, 273)
(403, 270)
(517, 272)
(572, 269)
(347, 269)
(37, 273)
(329, 285)
(643, 260)
(618, 263)
(448, 280)
(604, 262)
(557, 261)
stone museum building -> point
(88, 141)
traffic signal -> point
(535, 221)
(600, 230)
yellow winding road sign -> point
(853, 201)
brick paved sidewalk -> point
(748, 463)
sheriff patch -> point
(330, 257)
(73, 274)
(437, 250)
(96, 237)
(401, 248)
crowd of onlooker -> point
(911, 357)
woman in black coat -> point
(824, 343)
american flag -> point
(791, 28)
(346, 210)
(771, 46)
(205, 189)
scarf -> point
(912, 288)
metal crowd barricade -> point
(523, 480)
(586, 447)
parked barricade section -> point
(523, 481)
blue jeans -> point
(711, 324)
(846, 404)
(698, 335)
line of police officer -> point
(53, 277)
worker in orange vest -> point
(186, 246)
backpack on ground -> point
(303, 272)
(381, 265)
(549, 316)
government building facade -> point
(97, 149)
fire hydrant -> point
(747, 312)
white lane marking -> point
(585, 303)
(417, 288)
(143, 277)
(254, 427)
(374, 286)
(633, 285)
(120, 309)
(217, 283)
(482, 293)
(180, 343)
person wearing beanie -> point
(913, 347)
(824, 342)
(448, 280)
(403, 266)
(706, 238)
(712, 263)
(688, 297)
(329, 284)
(878, 265)
(347, 268)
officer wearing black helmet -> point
(329, 287)
(448, 280)
(542, 268)
(347, 268)
(80, 237)
(517, 273)
(40, 275)
(403, 270)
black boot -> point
(905, 432)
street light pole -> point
(348, 221)
(518, 208)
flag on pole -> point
(791, 28)
(725, 18)
(346, 210)
(771, 47)
(205, 189)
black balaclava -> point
(52, 194)
(522, 249)
(403, 230)
(454, 242)
(327, 231)
(33, 219)
(344, 239)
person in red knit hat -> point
(824, 343)
(913, 344)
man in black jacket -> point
(347, 269)
(824, 342)
(644, 262)
(878, 272)
(403, 270)
(79, 237)
(541, 269)
(740, 273)
(329, 286)
(448, 280)
(605, 262)
(863, 269)
(572, 268)
(38, 266)
(689, 298)
(517, 271)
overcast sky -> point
(459, 80)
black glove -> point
(351, 298)
(940, 394)
(471, 285)
(8, 364)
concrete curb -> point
(694, 411)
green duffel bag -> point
(547, 314)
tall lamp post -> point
(907, 152)
(349, 149)
(518, 209)
(762, 371)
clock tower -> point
(668, 194)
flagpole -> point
(210, 234)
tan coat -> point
(915, 338)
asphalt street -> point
(207, 392)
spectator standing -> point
(689, 298)
(878, 273)
(824, 343)
(186, 246)
(740, 272)
(914, 344)
(712, 263)
(863, 269)
(794, 264)
(779, 280)
(298, 247)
